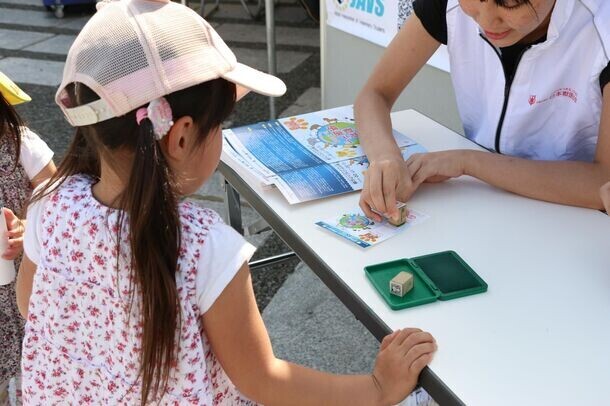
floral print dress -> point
(15, 189)
(82, 340)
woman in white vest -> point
(531, 82)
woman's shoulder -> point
(601, 15)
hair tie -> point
(159, 112)
(141, 114)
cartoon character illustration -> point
(338, 134)
(369, 237)
(356, 222)
(294, 124)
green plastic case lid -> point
(440, 276)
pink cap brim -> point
(248, 79)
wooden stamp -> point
(401, 284)
(402, 217)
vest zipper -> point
(507, 86)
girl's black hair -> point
(10, 127)
(150, 202)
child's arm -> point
(25, 278)
(16, 226)
(240, 341)
(46, 173)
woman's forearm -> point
(404, 57)
(372, 114)
(565, 182)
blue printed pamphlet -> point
(307, 157)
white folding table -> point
(539, 336)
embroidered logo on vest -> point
(563, 92)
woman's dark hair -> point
(10, 126)
(149, 201)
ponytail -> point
(154, 234)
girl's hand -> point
(604, 193)
(385, 182)
(402, 356)
(436, 166)
(16, 228)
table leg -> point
(233, 205)
(270, 24)
(212, 10)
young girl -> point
(133, 295)
(25, 161)
(531, 82)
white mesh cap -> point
(134, 51)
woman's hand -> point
(385, 182)
(402, 356)
(16, 228)
(436, 166)
(604, 193)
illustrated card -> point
(354, 226)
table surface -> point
(540, 335)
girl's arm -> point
(566, 182)
(46, 172)
(238, 337)
(16, 226)
(387, 178)
(25, 279)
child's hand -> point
(402, 356)
(604, 192)
(16, 229)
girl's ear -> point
(179, 139)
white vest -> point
(553, 107)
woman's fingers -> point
(423, 173)
(366, 201)
(424, 167)
(390, 181)
(376, 187)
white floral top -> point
(82, 345)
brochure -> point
(307, 157)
